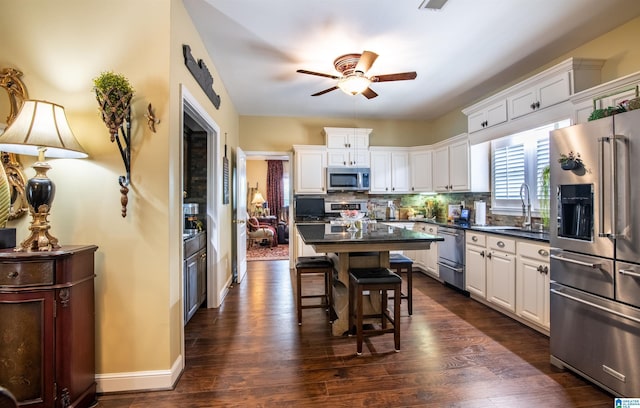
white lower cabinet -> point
(427, 259)
(303, 249)
(475, 263)
(510, 275)
(501, 272)
(532, 283)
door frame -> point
(274, 155)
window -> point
(517, 159)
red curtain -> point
(275, 188)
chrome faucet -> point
(526, 208)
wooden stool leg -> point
(410, 289)
(396, 317)
(384, 306)
(329, 292)
(359, 321)
(299, 296)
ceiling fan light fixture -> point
(354, 84)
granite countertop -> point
(515, 232)
(378, 233)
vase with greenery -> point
(570, 161)
(113, 93)
(545, 191)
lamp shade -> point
(41, 124)
(258, 199)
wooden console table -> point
(47, 326)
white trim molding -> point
(140, 380)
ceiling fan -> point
(353, 79)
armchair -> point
(260, 233)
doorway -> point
(200, 170)
(260, 207)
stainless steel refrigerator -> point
(595, 252)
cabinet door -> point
(459, 166)
(27, 346)
(380, 172)
(523, 103)
(191, 288)
(310, 171)
(554, 90)
(202, 276)
(421, 167)
(358, 141)
(496, 113)
(501, 278)
(476, 121)
(475, 269)
(360, 157)
(338, 158)
(532, 297)
(400, 178)
(441, 169)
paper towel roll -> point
(481, 212)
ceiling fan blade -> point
(333, 88)
(366, 61)
(304, 71)
(369, 93)
(394, 77)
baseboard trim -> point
(140, 380)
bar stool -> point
(374, 280)
(400, 264)
(314, 264)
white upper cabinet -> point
(310, 163)
(451, 166)
(611, 93)
(543, 90)
(347, 147)
(390, 171)
(488, 116)
(421, 171)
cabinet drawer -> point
(501, 244)
(476, 238)
(426, 228)
(26, 273)
(193, 245)
(534, 251)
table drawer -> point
(26, 273)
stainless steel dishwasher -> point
(451, 256)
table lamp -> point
(258, 200)
(40, 127)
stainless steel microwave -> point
(348, 179)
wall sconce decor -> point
(114, 94)
(40, 127)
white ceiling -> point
(460, 53)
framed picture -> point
(225, 180)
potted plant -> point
(113, 93)
(570, 161)
(545, 188)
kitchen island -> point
(367, 247)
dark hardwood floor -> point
(455, 353)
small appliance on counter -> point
(191, 221)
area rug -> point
(262, 253)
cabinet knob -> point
(488, 255)
(500, 244)
(532, 106)
(393, 189)
(344, 163)
(13, 275)
(538, 105)
(474, 239)
(543, 252)
(482, 253)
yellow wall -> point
(257, 175)
(138, 265)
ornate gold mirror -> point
(11, 82)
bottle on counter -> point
(391, 208)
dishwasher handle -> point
(444, 265)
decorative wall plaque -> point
(202, 75)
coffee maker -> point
(191, 221)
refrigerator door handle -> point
(601, 141)
(614, 185)
(575, 261)
(595, 306)
(616, 211)
(629, 272)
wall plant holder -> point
(114, 94)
